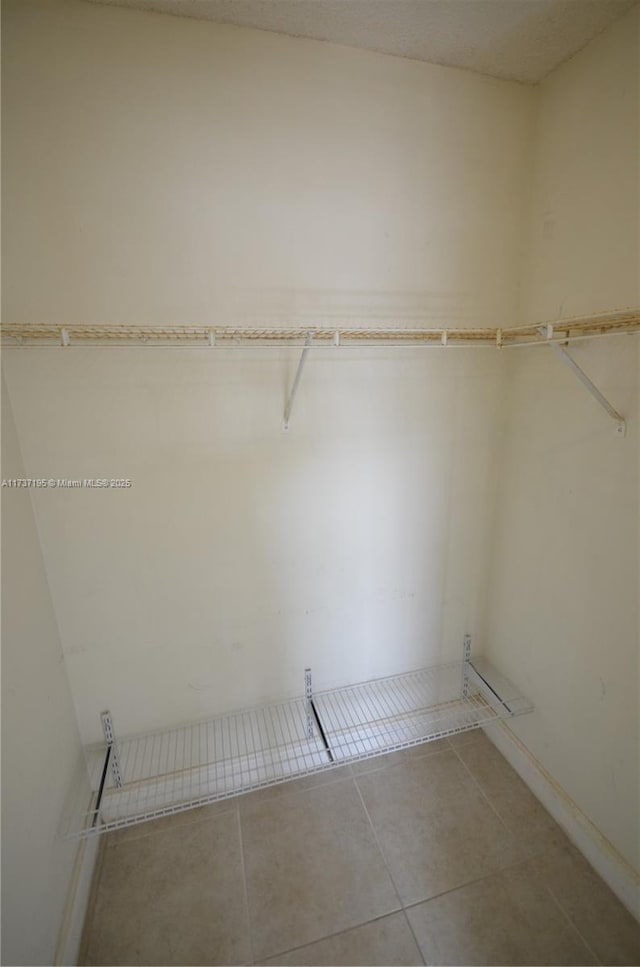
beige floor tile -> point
(164, 823)
(508, 918)
(378, 762)
(427, 748)
(385, 941)
(464, 738)
(519, 809)
(176, 897)
(606, 925)
(313, 867)
(401, 755)
(435, 828)
(324, 778)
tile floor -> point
(435, 855)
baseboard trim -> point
(70, 938)
(608, 862)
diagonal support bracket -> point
(569, 361)
(296, 382)
(110, 739)
(313, 719)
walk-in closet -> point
(320, 482)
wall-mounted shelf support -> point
(466, 658)
(296, 382)
(313, 719)
(308, 694)
(563, 355)
(110, 739)
(95, 816)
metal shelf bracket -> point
(308, 695)
(569, 361)
(296, 383)
(110, 739)
(466, 659)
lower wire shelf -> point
(136, 779)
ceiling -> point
(521, 40)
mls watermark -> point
(63, 483)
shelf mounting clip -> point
(296, 382)
(466, 660)
(569, 361)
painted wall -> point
(165, 169)
(160, 170)
(40, 740)
(564, 581)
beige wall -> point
(40, 742)
(564, 582)
(173, 170)
(168, 170)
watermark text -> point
(65, 483)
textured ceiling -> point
(519, 39)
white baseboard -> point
(614, 869)
(75, 913)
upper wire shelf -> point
(561, 330)
(173, 770)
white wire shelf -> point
(178, 769)
(340, 333)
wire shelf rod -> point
(213, 338)
(283, 347)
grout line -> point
(377, 842)
(337, 933)
(485, 795)
(533, 851)
(461, 886)
(245, 886)
(384, 860)
(469, 735)
(415, 939)
(411, 757)
(570, 921)
(519, 862)
(145, 833)
(292, 792)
